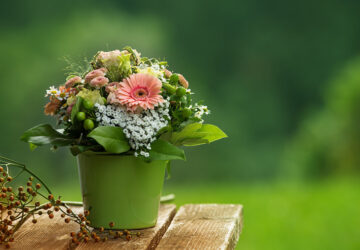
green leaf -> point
(44, 134)
(163, 150)
(196, 134)
(212, 132)
(76, 108)
(168, 170)
(32, 146)
(111, 138)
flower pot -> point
(120, 189)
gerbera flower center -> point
(140, 93)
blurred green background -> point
(282, 79)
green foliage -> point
(111, 138)
(328, 141)
(259, 94)
(75, 68)
(44, 134)
(163, 150)
(168, 170)
(196, 134)
(76, 108)
(125, 65)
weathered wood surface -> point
(45, 234)
(207, 226)
(203, 226)
(149, 238)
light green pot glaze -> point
(120, 189)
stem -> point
(22, 166)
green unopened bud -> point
(174, 79)
(170, 89)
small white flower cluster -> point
(154, 69)
(140, 129)
(200, 111)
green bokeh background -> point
(282, 79)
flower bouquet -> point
(125, 117)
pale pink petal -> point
(137, 91)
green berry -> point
(186, 112)
(81, 116)
(88, 104)
(180, 91)
(88, 124)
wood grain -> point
(149, 238)
(45, 234)
(204, 226)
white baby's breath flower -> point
(140, 129)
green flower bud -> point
(170, 89)
(174, 79)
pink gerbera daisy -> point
(137, 91)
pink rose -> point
(111, 87)
(99, 81)
(103, 70)
(72, 81)
(92, 74)
(112, 99)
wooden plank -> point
(45, 234)
(149, 238)
(204, 226)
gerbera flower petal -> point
(137, 91)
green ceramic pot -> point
(120, 189)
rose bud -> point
(72, 81)
(92, 74)
(183, 81)
(167, 73)
(103, 70)
(69, 109)
(111, 87)
(99, 82)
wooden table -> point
(193, 226)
